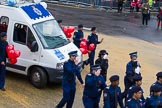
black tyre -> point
(38, 77)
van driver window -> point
(23, 35)
(4, 23)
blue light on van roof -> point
(36, 11)
(11, 2)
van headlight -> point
(59, 65)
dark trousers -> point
(145, 19)
(2, 75)
(137, 8)
(91, 58)
(68, 98)
(120, 7)
(127, 84)
(90, 102)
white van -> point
(43, 45)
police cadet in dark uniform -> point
(103, 62)
(112, 94)
(154, 99)
(94, 83)
(137, 82)
(158, 82)
(71, 70)
(92, 39)
(78, 35)
(132, 69)
(3, 56)
(135, 101)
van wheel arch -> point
(34, 71)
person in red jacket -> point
(159, 16)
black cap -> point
(159, 74)
(80, 26)
(73, 53)
(114, 78)
(137, 78)
(133, 54)
(59, 21)
(103, 52)
(93, 28)
(3, 34)
(136, 89)
(95, 67)
(156, 88)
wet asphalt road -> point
(21, 94)
(110, 23)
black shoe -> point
(3, 89)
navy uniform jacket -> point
(77, 36)
(93, 38)
(132, 103)
(103, 64)
(71, 70)
(3, 53)
(156, 83)
(93, 85)
(152, 101)
(130, 72)
(112, 96)
(130, 94)
(129, 67)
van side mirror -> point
(34, 47)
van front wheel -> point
(38, 77)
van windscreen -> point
(50, 34)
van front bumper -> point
(56, 75)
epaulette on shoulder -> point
(140, 99)
(89, 35)
(89, 74)
(153, 84)
(130, 88)
(129, 100)
(66, 61)
(108, 87)
(149, 97)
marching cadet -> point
(137, 82)
(112, 94)
(132, 69)
(158, 82)
(135, 101)
(78, 35)
(71, 70)
(92, 39)
(94, 83)
(153, 100)
(103, 62)
(3, 56)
